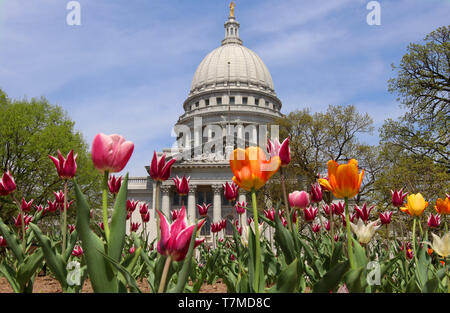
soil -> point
(48, 284)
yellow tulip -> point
(415, 206)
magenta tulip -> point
(240, 207)
(363, 213)
(135, 226)
(398, 197)
(231, 191)
(316, 228)
(338, 208)
(3, 242)
(270, 214)
(66, 167)
(176, 237)
(299, 199)
(71, 228)
(203, 209)
(283, 150)
(77, 251)
(182, 185)
(26, 206)
(385, 217)
(310, 214)
(175, 214)
(114, 184)
(316, 193)
(143, 209)
(7, 184)
(131, 205)
(111, 153)
(159, 169)
(434, 221)
(146, 217)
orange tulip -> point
(343, 180)
(251, 168)
(443, 206)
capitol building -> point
(232, 103)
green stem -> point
(158, 230)
(105, 205)
(349, 235)
(257, 243)
(332, 227)
(286, 202)
(24, 240)
(162, 284)
(64, 225)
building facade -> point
(232, 103)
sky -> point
(128, 67)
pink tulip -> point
(240, 207)
(231, 191)
(26, 206)
(71, 228)
(66, 167)
(223, 224)
(336, 237)
(398, 197)
(26, 220)
(159, 169)
(146, 217)
(294, 217)
(59, 197)
(310, 213)
(7, 184)
(326, 209)
(52, 206)
(316, 228)
(114, 184)
(385, 217)
(176, 237)
(77, 251)
(434, 221)
(363, 213)
(316, 193)
(61, 207)
(101, 226)
(283, 221)
(270, 214)
(131, 205)
(143, 209)
(135, 226)
(175, 214)
(132, 249)
(338, 208)
(3, 242)
(327, 225)
(215, 227)
(203, 209)
(299, 199)
(111, 153)
(182, 185)
(128, 215)
(282, 150)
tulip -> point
(327, 225)
(231, 191)
(101, 225)
(135, 226)
(415, 205)
(71, 228)
(143, 209)
(182, 185)
(26, 206)
(316, 228)
(251, 169)
(59, 197)
(441, 245)
(77, 251)
(336, 237)
(240, 207)
(294, 217)
(434, 221)
(131, 205)
(203, 209)
(299, 199)
(270, 214)
(326, 209)
(344, 180)
(146, 217)
(232, 257)
(398, 197)
(3, 242)
(26, 220)
(283, 221)
(223, 224)
(7, 184)
(316, 193)
(364, 232)
(159, 169)
(61, 207)
(338, 208)
(385, 218)
(175, 214)
(132, 249)
(443, 206)
(283, 151)
(66, 167)
(363, 213)
(110, 153)
(215, 227)
(430, 251)
(176, 237)
(114, 184)
(128, 215)
(310, 213)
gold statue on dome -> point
(232, 6)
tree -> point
(319, 137)
(29, 132)
(415, 148)
(423, 87)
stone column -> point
(191, 203)
(217, 208)
(243, 198)
(165, 201)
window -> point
(204, 197)
(219, 100)
(267, 103)
(232, 100)
(256, 101)
(206, 229)
(177, 200)
(197, 104)
(244, 100)
(206, 102)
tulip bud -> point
(7, 184)
(114, 184)
(146, 217)
(182, 185)
(132, 249)
(231, 191)
(159, 169)
(66, 167)
(111, 152)
(143, 209)
(71, 228)
(316, 193)
(3, 242)
(240, 207)
(203, 209)
(77, 251)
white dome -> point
(245, 67)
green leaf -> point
(288, 279)
(29, 267)
(100, 272)
(118, 223)
(353, 279)
(70, 245)
(12, 241)
(433, 284)
(332, 278)
(10, 276)
(359, 254)
(284, 239)
(54, 260)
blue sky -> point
(128, 67)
